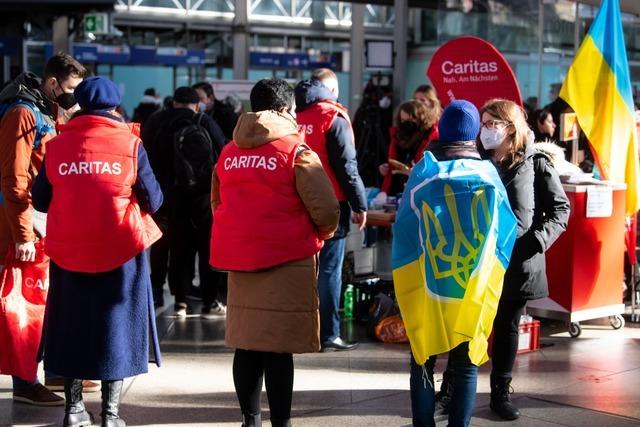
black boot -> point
(110, 402)
(251, 420)
(501, 399)
(280, 422)
(443, 397)
(75, 414)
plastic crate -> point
(529, 337)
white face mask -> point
(202, 107)
(384, 102)
(491, 138)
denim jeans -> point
(465, 381)
(329, 287)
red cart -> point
(585, 266)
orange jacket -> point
(19, 165)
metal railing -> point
(336, 13)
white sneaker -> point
(180, 310)
(214, 311)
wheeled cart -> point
(585, 266)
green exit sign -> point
(96, 23)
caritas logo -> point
(473, 69)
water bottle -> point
(348, 302)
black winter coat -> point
(542, 210)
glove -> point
(26, 251)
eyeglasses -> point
(492, 124)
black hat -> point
(186, 95)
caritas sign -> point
(473, 69)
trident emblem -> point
(451, 247)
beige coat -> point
(276, 310)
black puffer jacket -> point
(542, 210)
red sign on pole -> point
(473, 69)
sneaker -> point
(37, 395)
(57, 384)
(180, 310)
(213, 311)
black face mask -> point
(65, 100)
(407, 129)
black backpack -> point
(194, 155)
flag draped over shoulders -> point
(453, 237)
(598, 89)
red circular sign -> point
(473, 69)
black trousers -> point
(505, 337)
(159, 255)
(249, 369)
(190, 236)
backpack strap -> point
(41, 126)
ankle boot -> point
(75, 414)
(280, 422)
(443, 397)
(501, 399)
(251, 420)
(110, 403)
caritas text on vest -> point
(250, 162)
(90, 168)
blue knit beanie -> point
(97, 93)
(460, 121)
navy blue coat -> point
(97, 326)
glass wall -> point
(513, 27)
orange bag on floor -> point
(23, 294)
(391, 330)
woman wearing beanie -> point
(98, 189)
(457, 311)
(416, 127)
(542, 217)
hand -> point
(384, 169)
(359, 218)
(26, 251)
(401, 168)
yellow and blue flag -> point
(598, 88)
(452, 241)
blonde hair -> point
(424, 116)
(514, 115)
(430, 93)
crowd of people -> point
(257, 206)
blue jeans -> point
(465, 381)
(329, 287)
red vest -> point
(393, 153)
(94, 222)
(261, 221)
(314, 123)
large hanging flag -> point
(452, 242)
(598, 89)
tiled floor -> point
(590, 381)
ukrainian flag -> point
(452, 242)
(598, 89)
